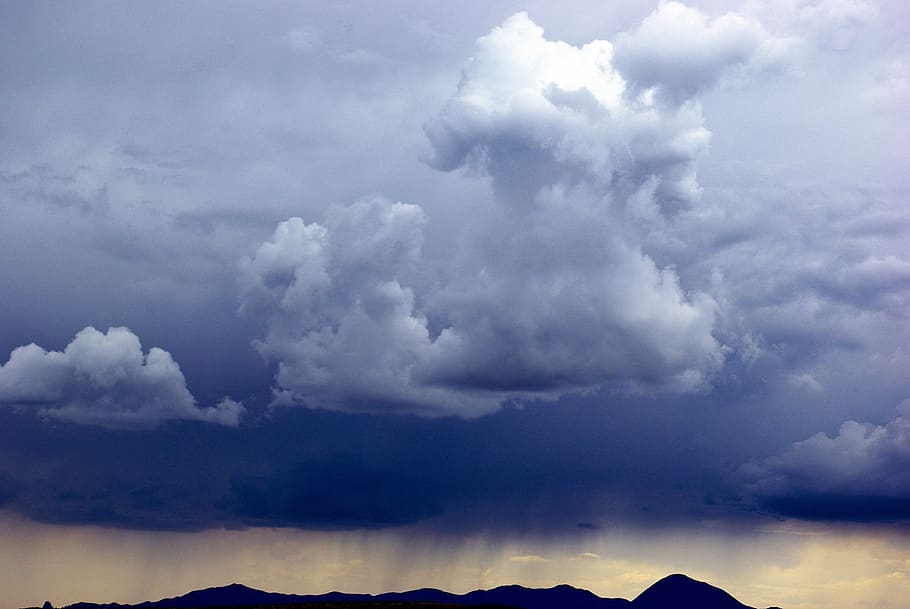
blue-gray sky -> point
(444, 273)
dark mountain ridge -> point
(672, 592)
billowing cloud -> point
(535, 114)
(679, 52)
(862, 473)
(340, 323)
(105, 379)
(550, 290)
(555, 292)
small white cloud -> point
(682, 52)
(105, 379)
(527, 558)
(806, 381)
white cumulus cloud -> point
(680, 52)
(105, 379)
(860, 473)
(340, 323)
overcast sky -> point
(372, 296)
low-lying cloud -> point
(862, 473)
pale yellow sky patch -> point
(527, 558)
(792, 566)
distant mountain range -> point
(672, 592)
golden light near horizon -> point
(852, 568)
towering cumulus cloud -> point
(105, 379)
(550, 291)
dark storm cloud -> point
(844, 508)
(335, 491)
(8, 490)
(87, 475)
(535, 471)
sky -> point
(378, 296)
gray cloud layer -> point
(105, 379)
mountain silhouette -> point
(232, 595)
(672, 592)
(525, 598)
(681, 592)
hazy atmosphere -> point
(377, 296)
